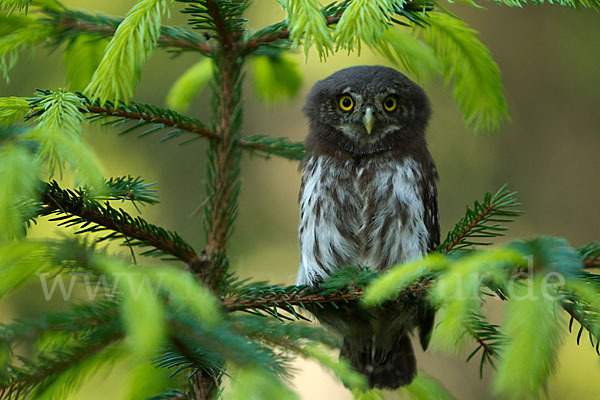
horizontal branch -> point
(483, 221)
(188, 125)
(162, 118)
(332, 13)
(72, 22)
(268, 146)
(29, 374)
(307, 297)
(263, 144)
(592, 262)
(57, 200)
(272, 34)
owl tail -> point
(386, 367)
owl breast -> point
(369, 214)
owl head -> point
(367, 109)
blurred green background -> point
(550, 61)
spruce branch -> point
(267, 146)
(224, 18)
(271, 298)
(489, 340)
(482, 221)
(579, 315)
(590, 253)
(129, 188)
(70, 23)
(156, 119)
(78, 321)
(75, 208)
(170, 395)
(280, 31)
(30, 374)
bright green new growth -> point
(458, 293)
(190, 83)
(187, 293)
(425, 387)
(18, 175)
(67, 383)
(341, 368)
(477, 85)
(535, 330)
(19, 261)
(255, 383)
(126, 53)
(58, 134)
(81, 58)
(12, 5)
(587, 292)
(142, 311)
(28, 35)
(13, 109)
(143, 320)
(276, 78)
(390, 283)
(365, 20)
(405, 49)
(307, 24)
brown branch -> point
(248, 144)
(203, 386)
(256, 42)
(22, 383)
(484, 346)
(278, 300)
(224, 160)
(307, 298)
(106, 26)
(469, 227)
(112, 112)
(55, 199)
(225, 163)
(592, 262)
(188, 127)
(577, 317)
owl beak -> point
(368, 120)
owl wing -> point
(432, 218)
(426, 316)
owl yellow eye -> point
(390, 103)
(346, 103)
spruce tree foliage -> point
(180, 328)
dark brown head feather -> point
(322, 109)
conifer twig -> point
(57, 200)
(271, 37)
(72, 22)
(482, 221)
(593, 262)
(26, 377)
(155, 119)
(264, 145)
(299, 296)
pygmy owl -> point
(368, 198)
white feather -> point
(401, 243)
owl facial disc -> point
(368, 120)
(365, 110)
